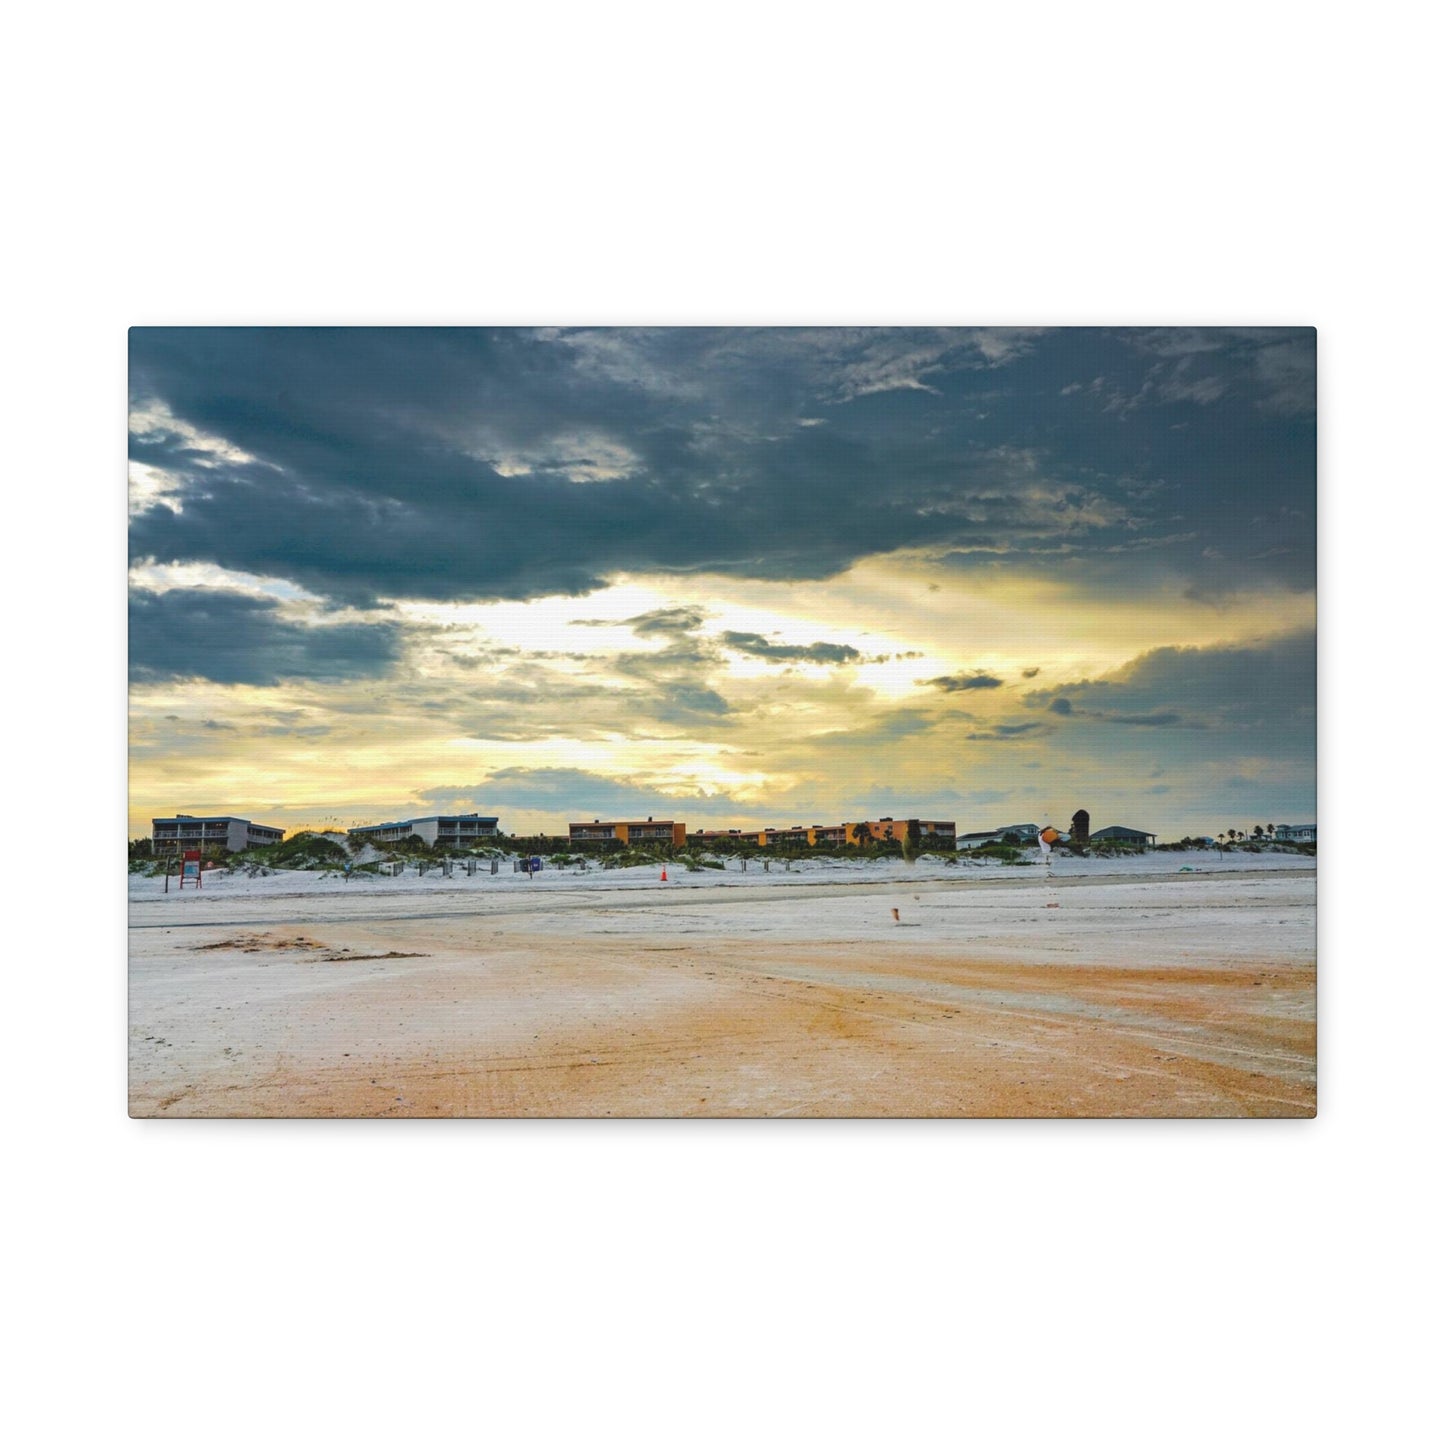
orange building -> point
(896, 830)
(650, 831)
(933, 833)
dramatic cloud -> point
(777, 575)
(963, 682)
(667, 621)
(821, 652)
(446, 464)
(1238, 688)
(232, 637)
(574, 791)
(1005, 733)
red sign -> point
(191, 867)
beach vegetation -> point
(305, 851)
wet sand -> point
(1167, 996)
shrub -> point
(304, 851)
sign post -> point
(190, 867)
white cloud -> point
(581, 457)
(154, 419)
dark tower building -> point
(1079, 828)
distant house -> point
(1295, 832)
(451, 830)
(235, 835)
(651, 831)
(1130, 836)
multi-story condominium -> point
(235, 835)
(651, 831)
(938, 835)
(451, 830)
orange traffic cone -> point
(664, 875)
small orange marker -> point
(664, 875)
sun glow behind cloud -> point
(795, 734)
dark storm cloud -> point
(508, 464)
(1267, 687)
(231, 637)
(759, 646)
(963, 682)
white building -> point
(235, 835)
(454, 830)
(1295, 832)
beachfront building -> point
(1015, 833)
(1295, 832)
(650, 831)
(883, 830)
(798, 837)
(235, 835)
(1130, 837)
(931, 833)
(450, 830)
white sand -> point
(1111, 987)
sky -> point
(732, 577)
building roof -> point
(623, 823)
(430, 818)
(213, 818)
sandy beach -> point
(1095, 988)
